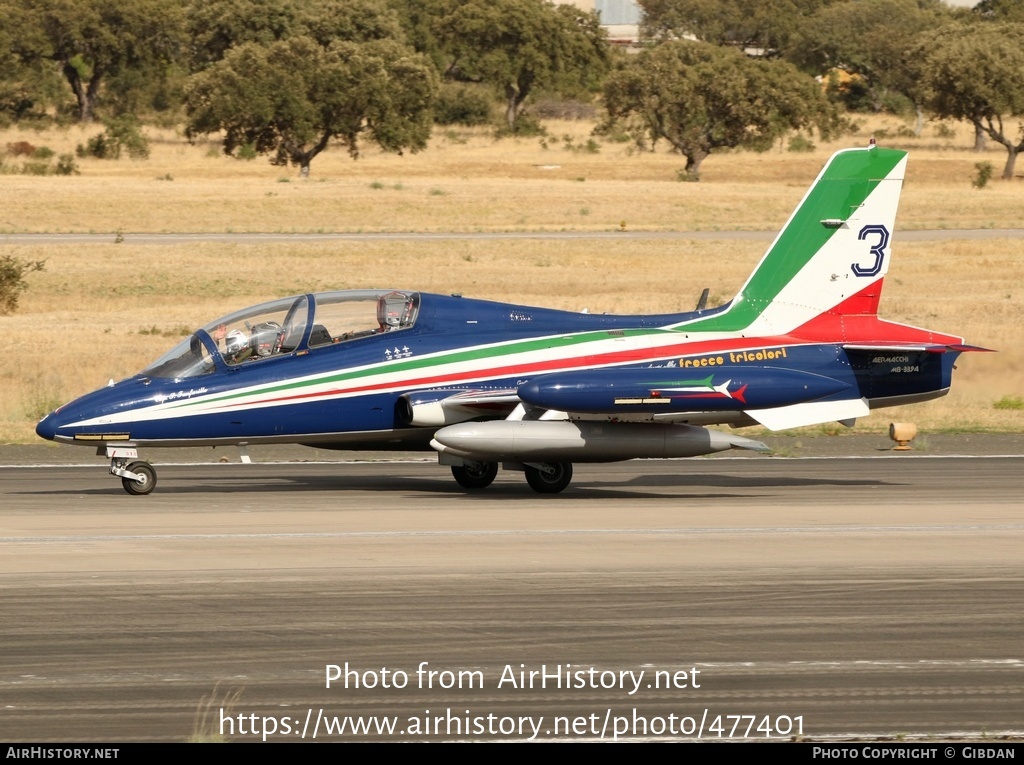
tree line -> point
(287, 78)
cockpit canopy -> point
(283, 327)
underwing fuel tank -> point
(577, 441)
(674, 389)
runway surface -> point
(862, 597)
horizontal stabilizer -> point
(969, 349)
(909, 347)
(813, 413)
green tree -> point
(216, 26)
(16, 95)
(12, 280)
(1000, 10)
(94, 40)
(763, 24)
(973, 73)
(520, 47)
(419, 20)
(291, 98)
(885, 30)
(701, 97)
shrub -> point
(128, 134)
(66, 165)
(462, 105)
(12, 280)
(983, 173)
(1012, 403)
(95, 147)
(590, 147)
(122, 133)
(799, 144)
(527, 126)
(35, 167)
(246, 151)
(20, 149)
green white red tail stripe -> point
(834, 246)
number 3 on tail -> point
(877, 249)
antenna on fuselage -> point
(703, 302)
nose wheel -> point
(137, 476)
(144, 481)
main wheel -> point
(479, 475)
(554, 477)
(143, 485)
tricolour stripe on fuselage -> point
(488, 364)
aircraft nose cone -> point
(47, 427)
(50, 426)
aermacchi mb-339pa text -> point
(533, 389)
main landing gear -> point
(548, 477)
(543, 477)
(477, 475)
(137, 476)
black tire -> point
(143, 486)
(479, 476)
(552, 482)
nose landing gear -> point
(137, 477)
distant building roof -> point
(621, 18)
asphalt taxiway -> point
(860, 596)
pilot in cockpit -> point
(236, 347)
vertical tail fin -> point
(832, 254)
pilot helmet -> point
(235, 342)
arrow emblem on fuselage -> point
(706, 390)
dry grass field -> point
(104, 310)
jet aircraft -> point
(533, 389)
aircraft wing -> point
(810, 413)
